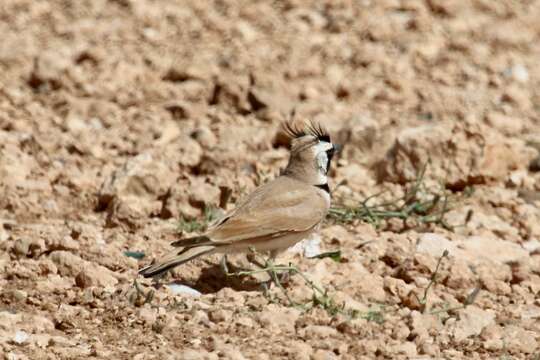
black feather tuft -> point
(292, 131)
(312, 128)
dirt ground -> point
(121, 121)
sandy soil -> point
(118, 118)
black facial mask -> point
(329, 155)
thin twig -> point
(319, 296)
(405, 207)
(433, 278)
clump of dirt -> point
(125, 122)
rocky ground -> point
(122, 122)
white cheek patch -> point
(323, 146)
(321, 158)
(322, 161)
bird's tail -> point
(177, 257)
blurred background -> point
(121, 118)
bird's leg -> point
(267, 266)
(277, 278)
(252, 258)
(284, 277)
(139, 297)
(157, 280)
(223, 265)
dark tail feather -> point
(192, 241)
(175, 259)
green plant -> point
(198, 225)
(376, 316)
(320, 297)
(138, 297)
(433, 280)
(420, 205)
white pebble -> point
(178, 289)
(20, 337)
(520, 73)
(310, 246)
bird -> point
(277, 214)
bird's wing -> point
(281, 206)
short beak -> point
(337, 148)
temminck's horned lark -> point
(277, 214)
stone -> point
(461, 154)
(20, 337)
(139, 187)
(12, 355)
(492, 337)
(356, 177)
(220, 315)
(323, 355)
(532, 246)
(299, 350)
(318, 332)
(517, 340)
(530, 312)
(472, 320)
(309, 247)
(505, 124)
(67, 263)
(278, 317)
(229, 352)
(205, 137)
(519, 73)
(423, 324)
(19, 295)
(100, 275)
(203, 195)
(369, 286)
(82, 280)
(50, 68)
(21, 247)
(199, 354)
(435, 245)
(179, 289)
(72, 265)
(406, 348)
(148, 315)
(473, 249)
(4, 234)
(493, 249)
(460, 275)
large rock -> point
(138, 184)
(85, 272)
(142, 175)
(513, 339)
(472, 320)
(473, 249)
(478, 247)
(519, 340)
(435, 245)
(141, 187)
(422, 325)
(278, 318)
(50, 67)
(16, 166)
(460, 154)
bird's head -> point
(311, 153)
